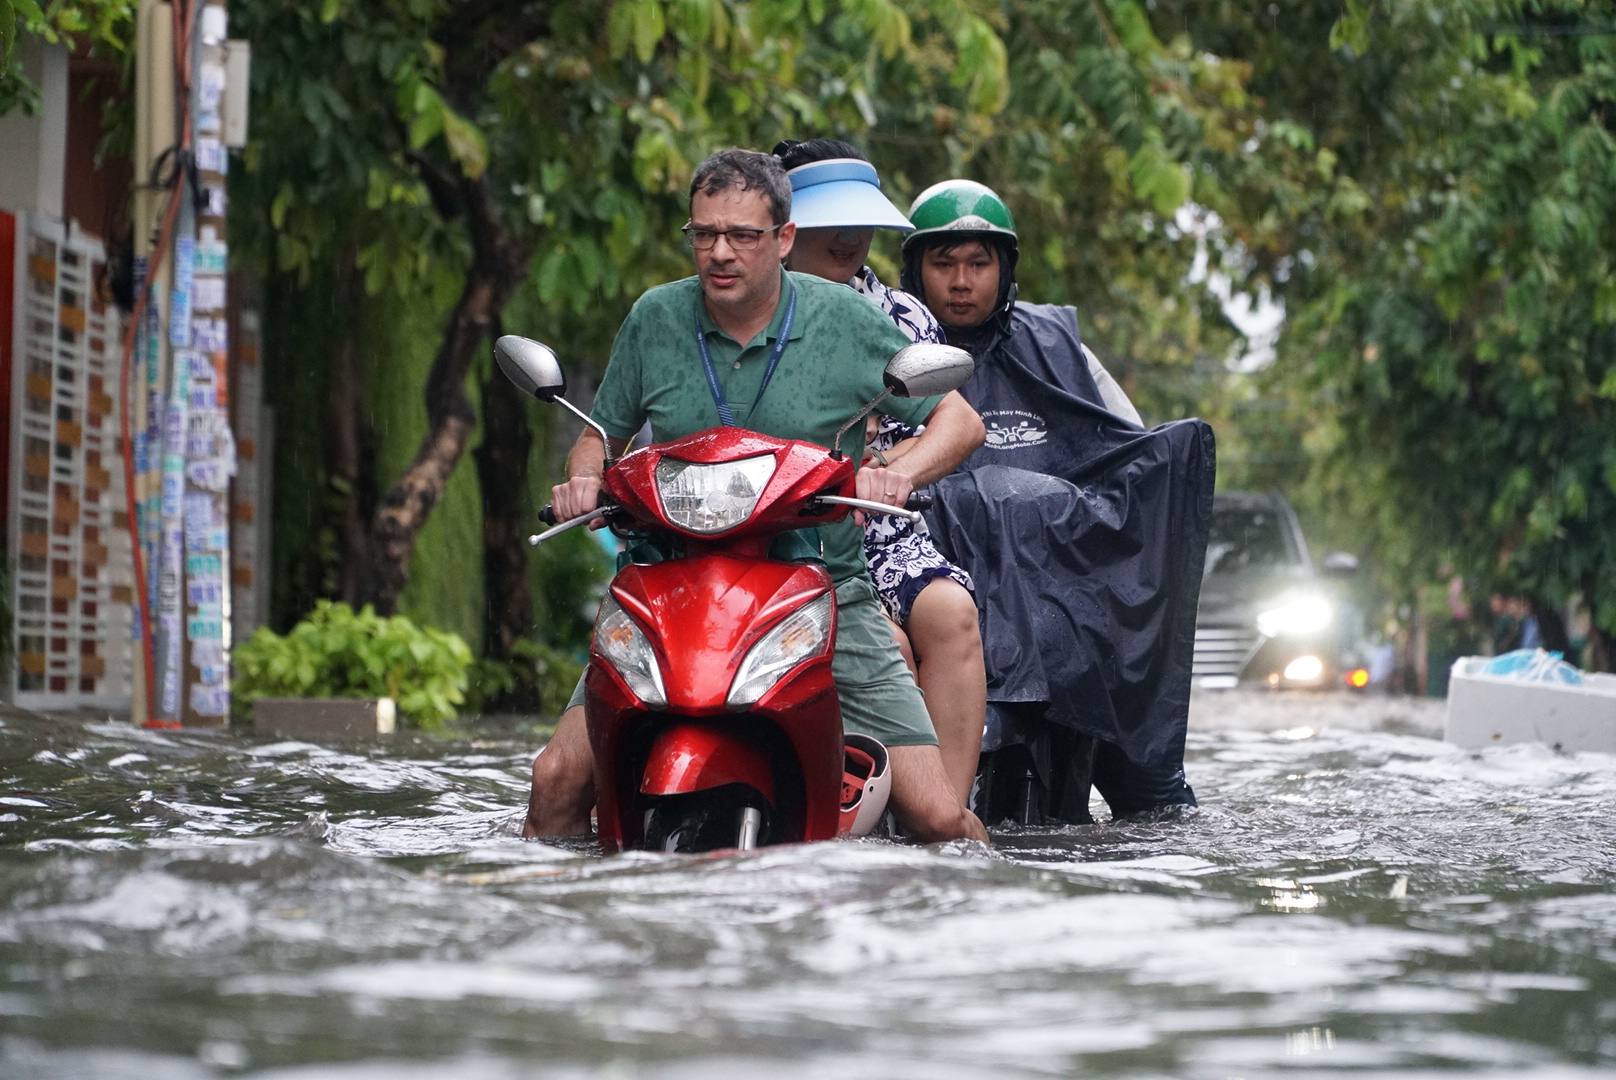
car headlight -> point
(1296, 615)
(803, 634)
(621, 641)
(712, 498)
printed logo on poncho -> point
(1012, 429)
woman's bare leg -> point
(947, 644)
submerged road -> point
(1355, 899)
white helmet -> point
(866, 784)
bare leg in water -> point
(563, 781)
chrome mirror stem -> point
(836, 444)
(605, 439)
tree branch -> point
(512, 24)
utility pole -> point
(184, 450)
(210, 448)
(155, 131)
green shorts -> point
(879, 696)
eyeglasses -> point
(739, 239)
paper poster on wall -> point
(204, 566)
(210, 335)
(210, 700)
(210, 155)
(213, 474)
(212, 256)
(168, 626)
(179, 312)
(208, 294)
(215, 539)
(203, 591)
(209, 625)
(200, 512)
(208, 652)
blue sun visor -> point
(841, 192)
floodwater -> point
(1349, 902)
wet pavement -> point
(1353, 899)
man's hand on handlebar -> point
(883, 486)
(576, 498)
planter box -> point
(1485, 710)
(324, 719)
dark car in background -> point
(1267, 614)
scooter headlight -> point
(1304, 614)
(621, 641)
(802, 635)
(712, 498)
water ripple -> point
(1346, 903)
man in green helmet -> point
(1089, 530)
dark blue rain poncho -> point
(1085, 535)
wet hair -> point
(947, 244)
(793, 154)
(749, 171)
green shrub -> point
(336, 652)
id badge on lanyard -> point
(725, 414)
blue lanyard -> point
(725, 414)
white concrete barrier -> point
(1490, 710)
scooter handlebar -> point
(557, 530)
(871, 507)
(548, 515)
(919, 501)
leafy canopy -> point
(1450, 354)
(106, 26)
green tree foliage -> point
(539, 147)
(336, 652)
(104, 26)
(563, 134)
(1443, 244)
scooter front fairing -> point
(703, 614)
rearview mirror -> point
(531, 366)
(925, 370)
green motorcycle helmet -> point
(955, 211)
(955, 206)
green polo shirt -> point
(840, 344)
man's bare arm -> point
(585, 464)
(953, 432)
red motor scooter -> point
(711, 711)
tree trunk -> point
(350, 457)
(499, 264)
(502, 476)
(1601, 651)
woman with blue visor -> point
(837, 204)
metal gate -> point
(69, 533)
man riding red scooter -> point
(712, 714)
(798, 356)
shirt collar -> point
(773, 329)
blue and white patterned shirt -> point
(901, 556)
(902, 308)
